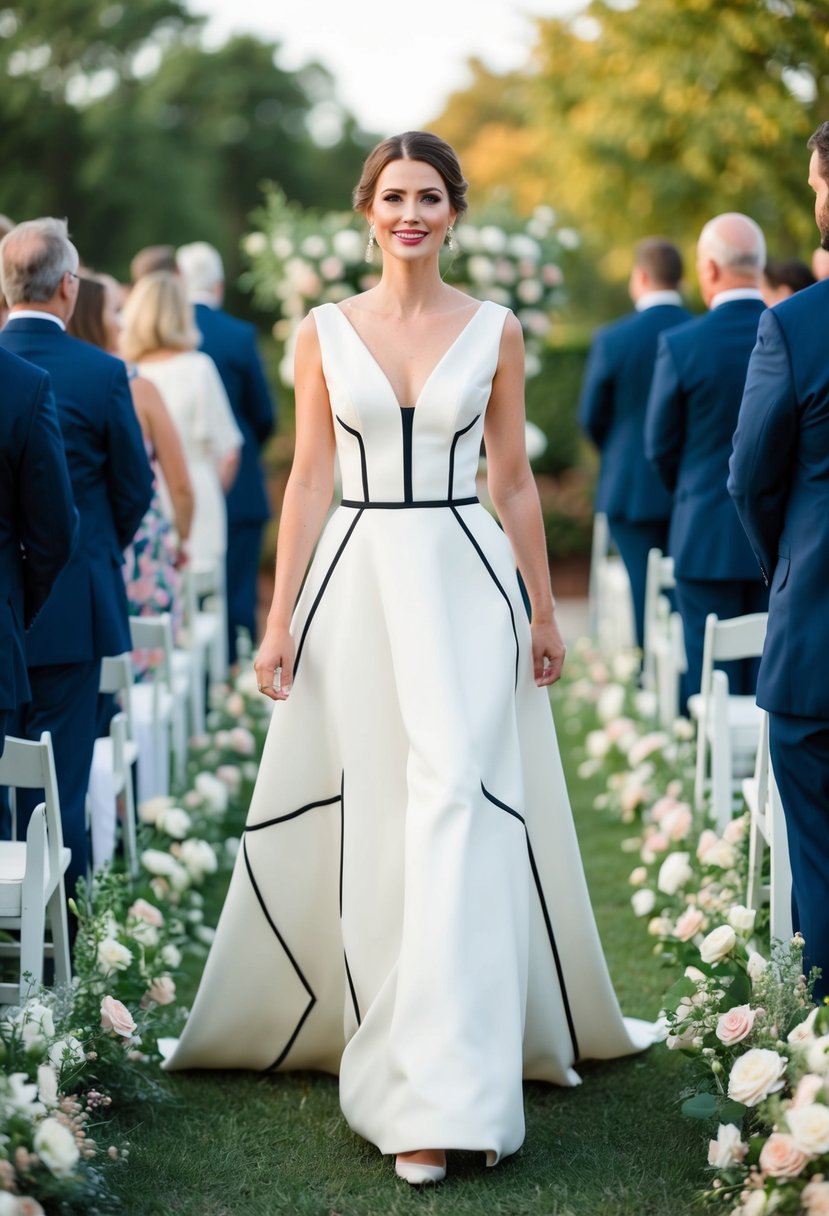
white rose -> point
(674, 873)
(39, 1016)
(660, 926)
(21, 1094)
(643, 902)
(756, 965)
(728, 1149)
(809, 1127)
(638, 876)
(597, 744)
(9, 1205)
(171, 955)
(718, 944)
(610, 703)
(755, 1205)
(803, 1032)
(755, 1075)
(815, 1198)
(66, 1051)
(721, 854)
(47, 1085)
(156, 861)
(144, 933)
(56, 1147)
(174, 822)
(817, 1055)
(199, 857)
(213, 791)
(112, 956)
(151, 808)
(742, 919)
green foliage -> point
(552, 400)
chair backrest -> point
(117, 677)
(741, 637)
(155, 633)
(206, 578)
(29, 765)
(598, 552)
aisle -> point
(234, 1144)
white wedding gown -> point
(408, 907)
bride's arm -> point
(515, 497)
(304, 507)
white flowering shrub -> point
(299, 259)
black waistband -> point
(365, 505)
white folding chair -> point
(728, 725)
(207, 614)
(667, 649)
(767, 829)
(610, 606)
(159, 707)
(659, 578)
(32, 872)
(114, 762)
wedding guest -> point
(782, 277)
(780, 485)
(691, 415)
(85, 618)
(38, 520)
(151, 259)
(160, 337)
(152, 562)
(231, 344)
(6, 225)
(612, 412)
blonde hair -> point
(157, 316)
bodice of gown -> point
(393, 455)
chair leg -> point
(128, 828)
(59, 924)
(755, 864)
(32, 929)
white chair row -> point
(663, 659)
(32, 872)
(610, 605)
(768, 832)
(728, 725)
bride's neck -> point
(408, 288)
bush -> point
(552, 402)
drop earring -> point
(450, 237)
(370, 245)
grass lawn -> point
(236, 1144)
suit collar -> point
(657, 299)
(735, 295)
(31, 321)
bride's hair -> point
(413, 145)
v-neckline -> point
(431, 374)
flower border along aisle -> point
(740, 1009)
(70, 1054)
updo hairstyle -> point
(413, 145)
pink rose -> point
(661, 808)
(162, 991)
(736, 1024)
(143, 910)
(706, 840)
(116, 1017)
(690, 923)
(815, 1198)
(808, 1088)
(780, 1157)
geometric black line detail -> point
(312, 1000)
(323, 586)
(568, 1013)
(415, 505)
(407, 420)
(494, 578)
(351, 987)
(452, 453)
(363, 462)
(547, 921)
(309, 806)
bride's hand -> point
(548, 652)
(274, 664)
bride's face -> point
(410, 210)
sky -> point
(395, 64)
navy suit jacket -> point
(86, 615)
(691, 416)
(780, 485)
(231, 344)
(38, 520)
(612, 412)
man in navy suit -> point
(780, 485)
(691, 415)
(231, 345)
(38, 520)
(612, 412)
(85, 617)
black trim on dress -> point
(497, 583)
(455, 439)
(407, 419)
(410, 506)
(321, 591)
(309, 806)
(363, 461)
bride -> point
(408, 907)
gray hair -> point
(735, 241)
(34, 257)
(200, 265)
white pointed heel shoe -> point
(417, 1173)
